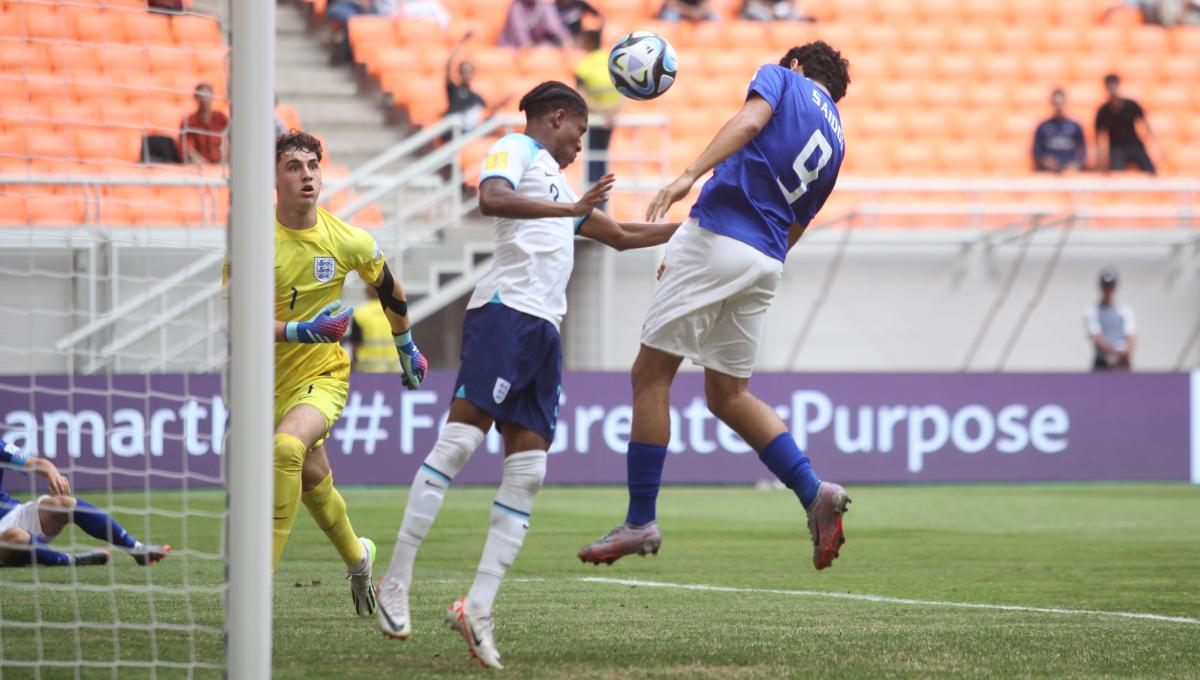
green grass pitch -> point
(1100, 548)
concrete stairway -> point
(351, 119)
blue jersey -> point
(784, 174)
(13, 455)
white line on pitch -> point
(889, 600)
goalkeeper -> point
(27, 528)
(313, 253)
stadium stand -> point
(80, 84)
(980, 71)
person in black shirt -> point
(460, 97)
(573, 12)
(1058, 143)
(1117, 141)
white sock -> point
(453, 449)
(523, 474)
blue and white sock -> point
(97, 524)
(784, 458)
(643, 470)
(46, 556)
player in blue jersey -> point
(26, 528)
(776, 162)
(511, 372)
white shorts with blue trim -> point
(25, 516)
(711, 303)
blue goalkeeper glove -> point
(324, 327)
(414, 363)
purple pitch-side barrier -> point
(165, 430)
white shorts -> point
(711, 302)
(24, 516)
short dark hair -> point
(1057, 92)
(549, 96)
(202, 86)
(823, 64)
(1112, 79)
(297, 140)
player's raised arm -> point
(736, 132)
(497, 198)
(599, 226)
(395, 307)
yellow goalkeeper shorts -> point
(326, 394)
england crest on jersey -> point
(500, 390)
(324, 268)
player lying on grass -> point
(26, 528)
(313, 253)
(776, 162)
(511, 372)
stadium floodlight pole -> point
(251, 378)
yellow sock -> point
(328, 510)
(289, 460)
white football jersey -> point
(534, 257)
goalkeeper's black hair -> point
(823, 64)
(297, 140)
(549, 96)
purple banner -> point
(166, 430)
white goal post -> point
(252, 351)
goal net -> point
(113, 204)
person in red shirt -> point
(202, 135)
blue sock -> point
(789, 464)
(46, 556)
(97, 524)
(643, 469)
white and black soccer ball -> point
(642, 65)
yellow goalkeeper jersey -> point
(310, 268)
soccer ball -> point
(642, 65)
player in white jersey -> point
(511, 371)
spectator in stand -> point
(772, 10)
(341, 11)
(202, 134)
(339, 14)
(603, 102)
(1058, 144)
(689, 10)
(534, 22)
(426, 10)
(1118, 143)
(573, 13)
(1111, 327)
(1161, 12)
(461, 98)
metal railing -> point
(424, 181)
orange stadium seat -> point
(147, 28)
(192, 31)
(1186, 40)
(925, 37)
(47, 26)
(12, 210)
(50, 145)
(88, 24)
(52, 210)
